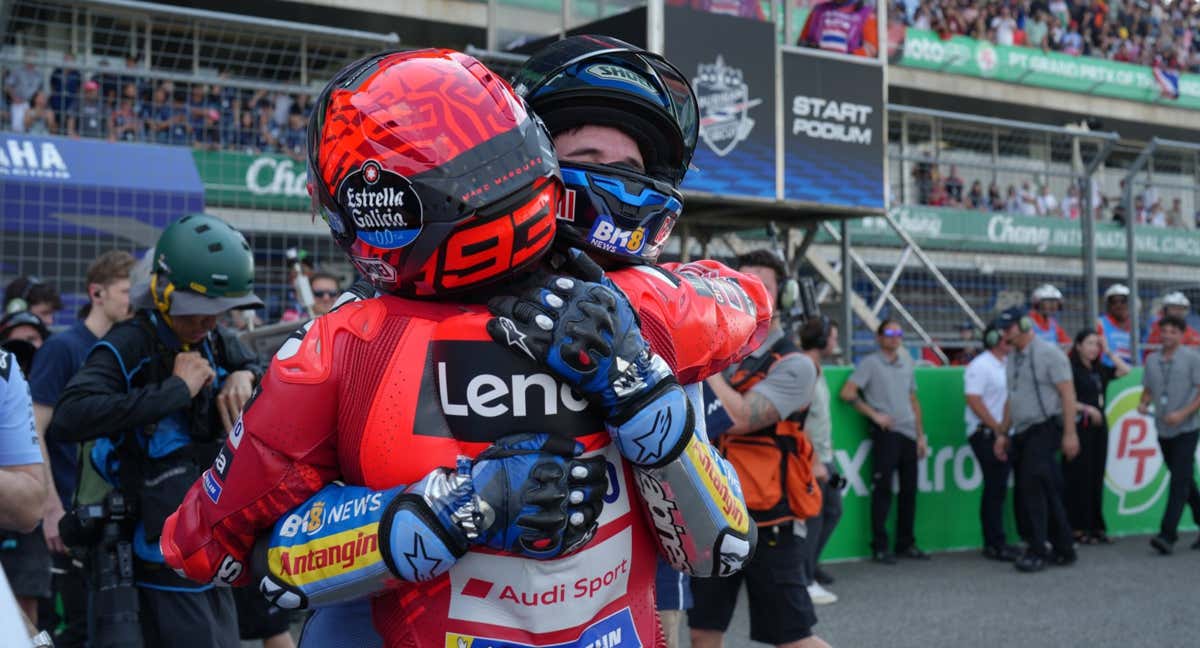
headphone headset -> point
(991, 336)
(162, 302)
(18, 304)
(788, 296)
(1025, 324)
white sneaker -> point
(820, 595)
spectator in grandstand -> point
(1041, 413)
(1037, 30)
(844, 26)
(179, 132)
(1072, 208)
(20, 84)
(1045, 301)
(203, 117)
(954, 188)
(1004, 26)
(64, 86)
(1083, 477)
(1171, 383)
(227, 104)
(1174, 304)
(1047, 204)
(1012, 202)
(31, 294)
(1140, 213)
(251, 135)
(1114, 325)
(88, 117)
(124, 124)
(922, 175)
(294, 138)
(40, 119)
(325, 292)
(1028, 205)
(1175, 216)
(986, 392)
(1157, 215)
(107, 281)
(157, 116)
(883, 389)
(819, 341)
(976, 199)
(995, 202)
(937, 191)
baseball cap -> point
(91, 85)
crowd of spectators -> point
(124, 106)
(936, 189)
(1145, 32)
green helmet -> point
(207, 266)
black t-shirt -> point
(1090, 384)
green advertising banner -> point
(1031, 66)
(245, 181)
(949, 481)
(940, 228)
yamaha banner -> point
(731, 64)
(833, 130)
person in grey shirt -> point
(782, 612)
(889, 400)
(1040, 411)
(1171, 382)
(819, 341)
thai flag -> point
(1168, 82)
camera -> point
(102, 532)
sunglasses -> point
(325, 294)
(893, 333)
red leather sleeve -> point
(281, 452)
(701, 317)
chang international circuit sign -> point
(940, 228)
(248, 181)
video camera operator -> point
(158, 395)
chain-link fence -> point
(223, 100)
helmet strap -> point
(162, 302)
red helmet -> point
(430, 173)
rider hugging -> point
(496, 446)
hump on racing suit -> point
(380, 391)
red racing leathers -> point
(382, 391)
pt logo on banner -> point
(725, 103)
(1134, 468)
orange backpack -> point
(774, 466)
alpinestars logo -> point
(514, 336)
(725, 103)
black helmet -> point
(602, 81)
(607, 82)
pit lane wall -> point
(950, 483)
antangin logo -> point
(341, 552)
(725, 103)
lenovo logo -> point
(489, 395)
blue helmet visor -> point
(624, 214)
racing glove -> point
(584, 330)
(528, 494)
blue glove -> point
(582, 329)
(528, 494)
(585, 331)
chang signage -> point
(246, 181)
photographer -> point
(159, 393)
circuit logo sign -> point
(725, 103)
(1134, 468)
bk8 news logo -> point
(1134, 470)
